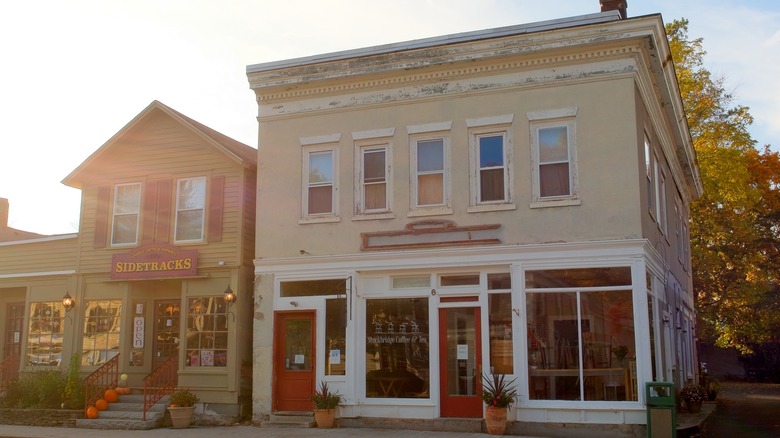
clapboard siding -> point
(46, 256)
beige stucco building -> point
(513, 200)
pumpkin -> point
(101, 404)
(111, 396)
(92, 412)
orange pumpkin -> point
(101, 404)
(92, 412)
(111, 396)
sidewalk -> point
(225, 431)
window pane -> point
(102, 322)
(321, 167)
(430, 155)
(320, 200)
(125, 227)
(374, 166)
(191, 193)
(397, 348)
(335, 337)
(376, 196)
(430, 189)
(128, 199)
(189, 225)
(554, 180)
(589, 277)
(500, 309)
(206, 332)
(553, 144)
(311, 288)
(460, 280)
(491, 185)
(44, 334)
(491, 151)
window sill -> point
(429, 211)
(556, 203)
(368, 217)
(318, 220)
(490, 207)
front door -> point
(13, 329)
(460, 352)
(167, 314)
(294, 361)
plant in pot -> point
(693, 395)
(325, 403)
(182, 407)
(498, 395)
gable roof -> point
(239, 152)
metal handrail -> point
(104, 378)
(9, 370)
(159, 383)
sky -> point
(73, 73)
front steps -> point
(127, 414)
(290, 419)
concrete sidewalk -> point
(227, 432)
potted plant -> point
(325, 404)
(498, 395)
(693, 395)
(182, 407)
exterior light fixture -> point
(230, 296)
(68, 302)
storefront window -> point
(101, 332)
(581, 345)
(500, 309)
(335, 337)
(397, 348)
(44, 337)
(207, 332)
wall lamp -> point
(230, 298)
(68, 302)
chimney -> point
(3, 213)
(614, 5)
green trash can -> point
(661, 410)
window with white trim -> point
(661, 197)
(320, 189)
(429, 160)
(127, 208)
(490, 146)
(190, 209)
(374, 182)
(553, 157)
(649, 176)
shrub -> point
(46, 389)
(183, 398)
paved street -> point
(745, 410)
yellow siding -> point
(45, 256)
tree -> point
(734, 226)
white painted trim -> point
(374, 133)
(429, 127)
(41, 239)
(320, 139)
(38, 274)
(504, 119)
(552, 113)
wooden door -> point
(460, 353)
(294, 360)
(167, 315)
(13, 329)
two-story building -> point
(166, 228)
(513, 200)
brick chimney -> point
(3, 213)
(614, 5)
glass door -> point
(166, 331)
(460, 362)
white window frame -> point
(649, 175)
(202, 209)
(563, 117)
(361, 148)
(137, 213)
(307, 152)
(482, 128)
(678, 230)
(422, 133)
(660, 187)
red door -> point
(460, 352)
(294, 361)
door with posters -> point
(294, 360)
(460, 352)
(167, 315)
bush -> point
(46, 389)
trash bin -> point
(661, 410)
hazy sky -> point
(75, 72)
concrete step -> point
(127, 414)
(117, 424)
(291, 419)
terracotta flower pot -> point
(325, 418)
(694, 407)
(181, 417)
(495, 420)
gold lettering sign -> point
(155, 261)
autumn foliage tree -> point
(734, 226)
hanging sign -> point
(138, 332)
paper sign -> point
(463, 351)
(335, 357)
(299, 359)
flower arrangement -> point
(323, 398)
(182, 398)
(693, 393)
(497, 392)
(620, 352)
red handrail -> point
(160, 383)
(103, 378)
(9, 370)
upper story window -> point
(491, 158)
(553, 156)
(190, 209)
(662, 219)
(319, 201)
(373, 174)
(649, 176)
(127, 207)
(429, 149)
